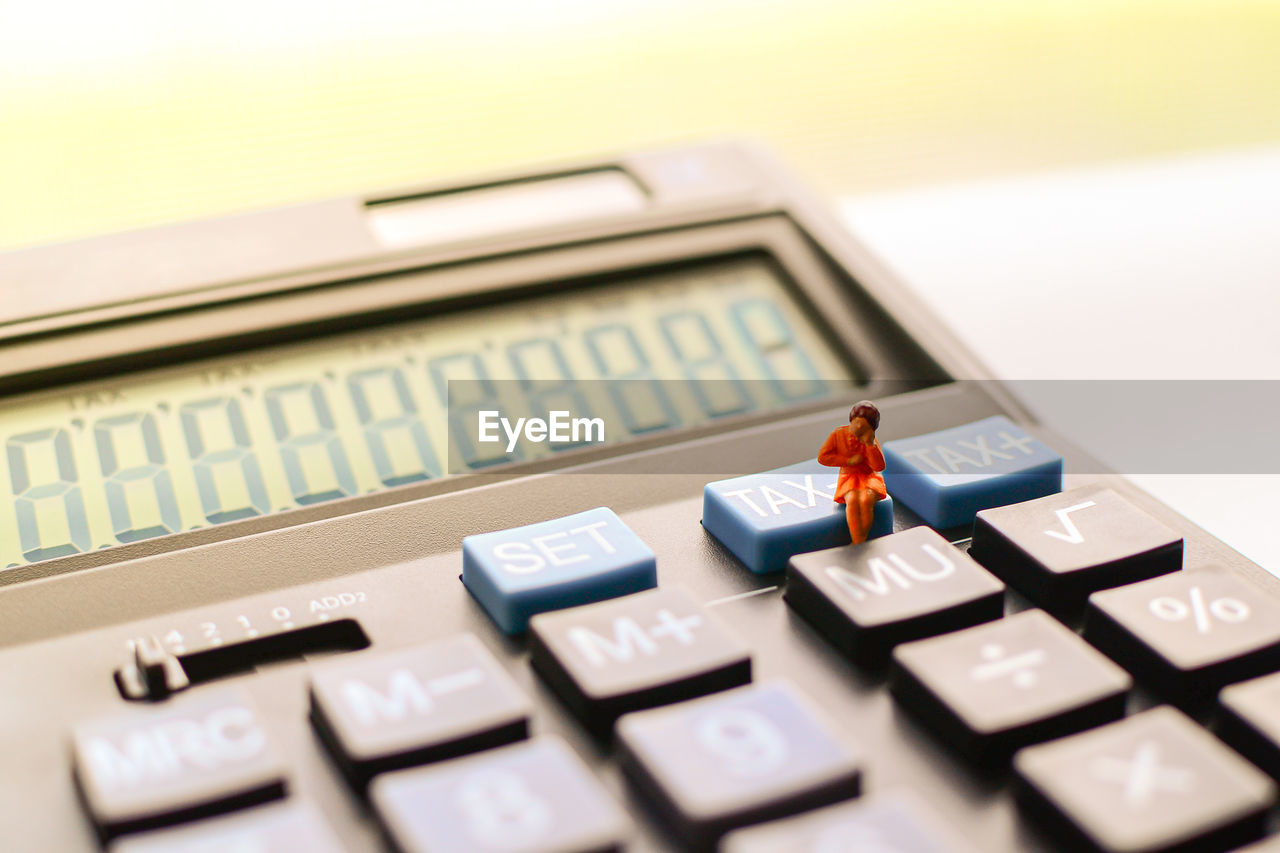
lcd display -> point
(203, 443)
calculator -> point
(486, 516)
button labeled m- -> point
(404, 696)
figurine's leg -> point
(867, 501)
(854, 516)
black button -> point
(1155, 781)
(535, 797)
(997, 687)
(868, 598)
(194, 756)
(747, 755)
(1251, 720)
(647, 649)
(265, 829)
(1190, 633)
(1060, 548)
(380, 712)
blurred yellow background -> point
(134, 112)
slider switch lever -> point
(154, 674)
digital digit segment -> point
(163, 451)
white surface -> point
(1157, 270)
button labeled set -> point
(551, 565)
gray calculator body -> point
(389, 559)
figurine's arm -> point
(830, 454)
(875, 456)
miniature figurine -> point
(856, 452)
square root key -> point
(1058, 549)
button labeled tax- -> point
(947, 476)
(196, 755)
(868, 598)
(1060, 548)
(384, 711)
(635, 652)
(578, 559)
(765, 518)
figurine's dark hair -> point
(866, 409)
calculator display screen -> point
(203, 443)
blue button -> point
(765, 519)
(947, 476)
(554, 564)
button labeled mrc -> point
(192, 757)
(766, 518)
(582, 558)
(945, 477)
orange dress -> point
(838, 447)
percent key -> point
(1188, 634)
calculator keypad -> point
(751, 754)
(533, 797)
(379, 712)
(635, 652)
(1152, 781)
(1060, 548)
(1188, 633)
(868, 598)
(197, 755)
(758, 767)
(991, 689)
